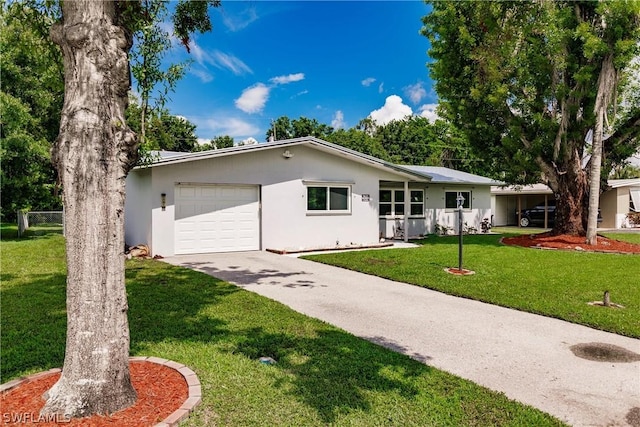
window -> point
(450, 201)
(634, 202)
(328, 199)
(417, 202)
(392, 202)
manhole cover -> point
(601, 352)
(633, 417)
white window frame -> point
(634, 199)
(393, 203)
(456, 191)
(423, 203)
(328, 186)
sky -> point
(334, 61)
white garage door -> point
(216, 218)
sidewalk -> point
(525, 356)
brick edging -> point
(194, 396)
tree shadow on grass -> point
(179, 311)
(165, 301)
(468, 239)
(34, 321)
(333, 372)
(9, 231)
(327, 369)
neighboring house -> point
(290, 195)
(620, 197)
(506, 202)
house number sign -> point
(366, 197)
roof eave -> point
(319, 143)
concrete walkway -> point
(525, 356)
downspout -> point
(407, 207)
(546, 211)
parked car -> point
(535, 215)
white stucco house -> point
(290, 195)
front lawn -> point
(324, 376)
(631, 237)
(548, 282)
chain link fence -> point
(44, 221)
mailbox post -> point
(460, 200)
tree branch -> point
(627, 133)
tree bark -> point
(606, 85)
(569, 184)
(93, 154)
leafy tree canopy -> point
(413, 141)
(164, 131)
(31, 98)
(216, 143)
(284, 128)
(520, 80)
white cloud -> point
(218, 59)
(368, 81)
(338, 120)
(198, 54)
(429, 112)
(230, 62)
(282, 80)
(393, 109)
(381, 88)
(415, 92)
(240, 21)
(203, 141)
(303, 92)
(203, 75)
(232, 126)
(253, 98)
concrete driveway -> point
(530, 358)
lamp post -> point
(460, 201)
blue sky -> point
(335, 61)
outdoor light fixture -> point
(287, 154)
(163, 201)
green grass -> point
(518, 230)
(324, 376)
(631, 237)
(552, 283)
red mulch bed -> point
(563, 241)
(161, 390)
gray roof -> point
(162, 154)
(617, 183)
(419, 173)
(444, 175)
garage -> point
(216, 218)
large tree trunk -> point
(93, 154)
(606, 86)
(569, 184)
(571, 212)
